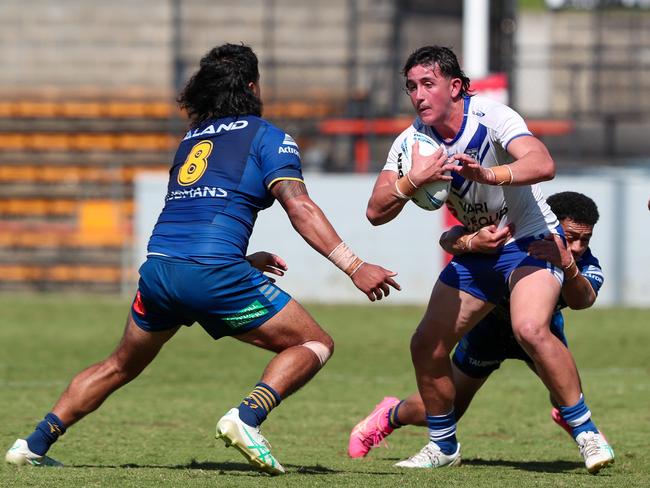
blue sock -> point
(46, 433)
(257, 405)
(393, 419)
(442, 431)
(578, 417)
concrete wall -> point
(409, 246)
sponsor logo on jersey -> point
(246, 315)
(483, 364)
(478, 113)
(288, 150)
(211, 129)
(197, 192)
(478, 215)
(289, 141)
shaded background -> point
(87, 94)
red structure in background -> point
(494, 86)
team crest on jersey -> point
(472, 152)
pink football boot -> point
(557, 418)
(371, 430)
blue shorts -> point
(485, 276)
(482, 350)
(225, 299)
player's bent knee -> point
(531, 335)
(322, 351)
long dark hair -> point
(220, 86)
(445, 59)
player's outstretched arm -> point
(312, 224)
(577, 291)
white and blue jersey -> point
(482, 350)
(487, 128)
(220, 179)
(196, 269)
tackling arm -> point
(577, 291)
(458, 240)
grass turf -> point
(159, 430)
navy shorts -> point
(225, 299)
(485, 276)
(482, 350)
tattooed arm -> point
(305, 216)
(312, 224)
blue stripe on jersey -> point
(515, 137)
(474, 145)
(466, 100)
(473, 148)
(487, 147)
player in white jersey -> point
(495, 162)
(488, 126)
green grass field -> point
(158, 431)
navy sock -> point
(442, 431)
(46, 433)
(257, 405)
(578, 417)
(393, 418)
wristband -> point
(400, 195)
(408, 177)
(344, 258)
(405, 186)
(465, 241)
(575, 273)
(502, 175)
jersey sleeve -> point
(395, 152)
(279, 157)
(506, 123)
(590, 268)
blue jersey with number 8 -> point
(220, 179)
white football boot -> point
(430, 456)
(20, 455)
(249, 441)
(595, 450)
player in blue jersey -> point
(496, 164)
(482, 350)
(230, 165)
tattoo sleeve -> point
(285, 190)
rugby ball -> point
(430, 196)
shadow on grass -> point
(243, 469)
(558, 466)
